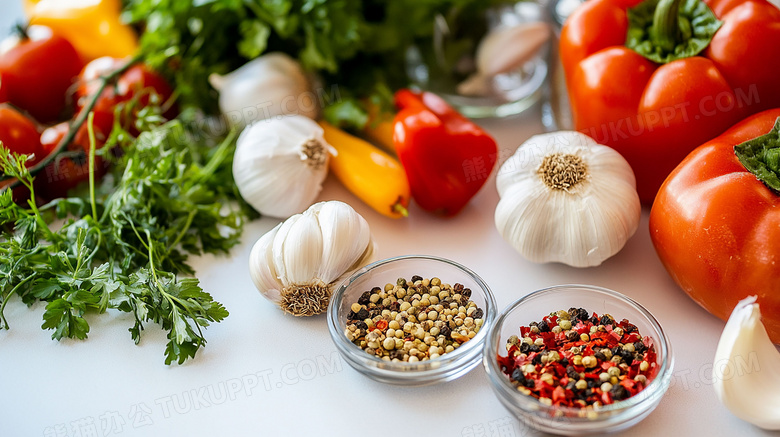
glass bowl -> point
(446, 367)
(567, 420)
(445, 62)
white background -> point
(265, 373)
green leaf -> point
(347, 113)
(761, 156)
(254, 38)
(45, 289)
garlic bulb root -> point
(305, 300)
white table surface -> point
(264, 373)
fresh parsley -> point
(125, 246)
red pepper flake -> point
(381, 325)
(564, 355)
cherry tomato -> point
(138, 80)
(3, 91)
(19, 134)
(38, 71)
(60, 176)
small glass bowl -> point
(448, 366)
(567, 420)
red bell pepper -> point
(656, 80)
(447, 158)
(716, 220)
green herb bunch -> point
(358, 45)
(123, 245)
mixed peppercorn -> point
(413, 320)
(578, 359)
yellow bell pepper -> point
(374, 176)
(92, 26)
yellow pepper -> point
(374, 176)
(379, 129)
(92, 26)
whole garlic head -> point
(280, 164)
(266, 87)
(297, 263)
(566, 198)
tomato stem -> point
(21, 30)
(666, 24)
(761, 156)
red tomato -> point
(140, 79)
(716, 227)
(38, 72)
(136, 80)
(3, 92)
(19, 134)
(58, 177)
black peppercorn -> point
(619, 392)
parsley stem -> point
(220, 154)
(92, 145)
(7, 297)
(184, 230)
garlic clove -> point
(302, 251)
(505, 49)
(746, 368)
(338, 255)
(262, 268)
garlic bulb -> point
(269, 86)
(565, 198)
(279, 164)
(297, 263)
(746, 369)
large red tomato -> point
(716, 225)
